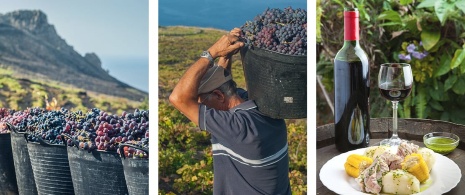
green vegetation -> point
(393, 30)
(185, 159)
(19, 94)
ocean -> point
(217, 14)
(133, 71)
(223, 15)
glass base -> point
(391, 142)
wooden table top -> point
(409, 129)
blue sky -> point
(106, 27)
(116, 30)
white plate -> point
(444, 175)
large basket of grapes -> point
(47, 152)
(136, 168)
(93, 141)
(96, 172)
(8, 183)
(22, 162)
(50, 166)
(275, 62)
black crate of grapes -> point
(136, 168)
(8, 183)
(22, 162)
(50, 168)
(96, 172)
(277, 83)
(275, 62)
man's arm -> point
(184, 96)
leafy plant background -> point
(185, 159)
(387, 28)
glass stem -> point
(394, 120)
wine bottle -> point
(351, 89)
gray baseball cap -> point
(213, 78)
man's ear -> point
(219, 95)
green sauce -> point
(426, 184)
(442, 145)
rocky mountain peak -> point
(31, 47)
(93, 59)
(34, 21)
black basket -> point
(136, 172)
(50, 167)
(8, 183)
(22, 163)
(96, 172)
(276, 82)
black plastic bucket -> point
(276, 82)
(96, 172)
(51, 168)
(22, 163)
(136, 172)
(8, 184)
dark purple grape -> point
(282, 31)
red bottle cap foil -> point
(351, 26)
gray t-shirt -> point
(249, 150)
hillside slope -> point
(31, 47)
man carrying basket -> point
(249, 148)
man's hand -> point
(236, 32)
(227, 45)
(225, 62)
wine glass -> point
(395, 83)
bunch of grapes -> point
(135, 153)
(49, 126)
(5, 114)
(22, 120)
(102, 131)
(282, 31)
(26, 121)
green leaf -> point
(400, 111)
(386, 5)
(406, 106)
(461, 5)
(430, 38)
(362, 11)
(456, 116)
(436, 105)
(405, 2)
(459, 86)
(427, 3)
(443, 9)
(445, 116)
(420, 103)
(391, 24)
(449, 83)
(411, 25)
(390, 15)
(437, 94)
(444, 66)
(438, 45)
(462, 67)
(459, 55)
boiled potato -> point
(374, 151)
(428, 156)
(400, 182)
